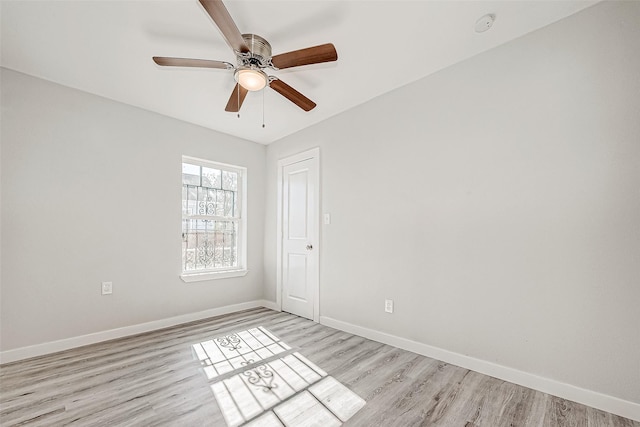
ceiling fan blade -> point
(311, 55)
(187, 62)
(292, 95)
(220, 15)
(236, 99)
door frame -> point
(313, 153)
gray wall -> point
(91, 193)
(497, 202)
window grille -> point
(211, 216)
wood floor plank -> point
(156, 379)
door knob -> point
(309, 247)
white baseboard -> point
(270, 305)
(591, 398)
(73, 342)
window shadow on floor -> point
(258, 380)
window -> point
(213, 222)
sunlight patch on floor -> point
(261, 381)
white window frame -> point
(241, 269)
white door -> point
(299, 255)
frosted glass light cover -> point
(251, 79)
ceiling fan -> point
(253, 56)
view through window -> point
(212, 216)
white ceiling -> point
(105, 48)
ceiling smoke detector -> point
(484, 23)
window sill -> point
(212, 275)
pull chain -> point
(263, 91)
(238, 91)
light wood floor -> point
(154, 379)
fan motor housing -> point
(259, 51)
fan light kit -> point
(251, 79)
(253, 56)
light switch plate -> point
(107, 288)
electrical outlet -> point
(107, 288)
(388, 305)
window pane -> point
(228, 204)
(229, 181)
(209, 244)
(190, 174)
(185, 210)
(191, 201)
(219, 203)
(211, 178)
(206, 201)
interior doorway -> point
(298, 272)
